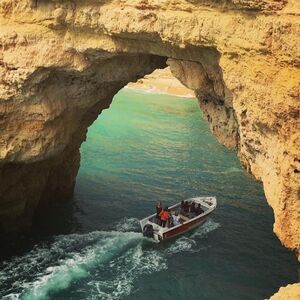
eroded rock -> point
(61, 62)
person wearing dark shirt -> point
(193, 209)
(182, 205)
(199, 210)
(186, 207)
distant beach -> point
(161, 81)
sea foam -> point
(106, 264)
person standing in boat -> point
(158, 211)
(164, 216)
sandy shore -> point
(161, 81)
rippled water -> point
(143, 149)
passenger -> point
(199, 210)
(182, 205)
(164, 216)
(186, 207)
(182, 208)
(176, 219)
(170, 221)
(193, 208)
(158, 211)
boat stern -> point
(143, 222)
(151, 230)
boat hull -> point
(183, 228)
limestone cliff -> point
(290, 292)
(61, 62)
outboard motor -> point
(148, 231)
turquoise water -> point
(146, 148)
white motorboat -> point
(189, 219)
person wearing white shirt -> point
(176, 219)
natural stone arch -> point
(58, 105)
(252, 107)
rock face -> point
(61, 62)
(44, 123)
(290, 292)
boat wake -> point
(96, 265)
(128, 224)
(192, 243)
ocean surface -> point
(143, 149)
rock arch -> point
(61, 62)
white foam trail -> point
(207, 227)
(126, 268)
(189, 243)
(11, 297)
(181, 244)
(128, 224)
(107, 262)
(69, 258)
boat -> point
(189, 220)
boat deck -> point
(188, 219)
(184, 217)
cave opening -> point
(70, 98)
(148, 147)
(155, 115)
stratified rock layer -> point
(61, 62)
